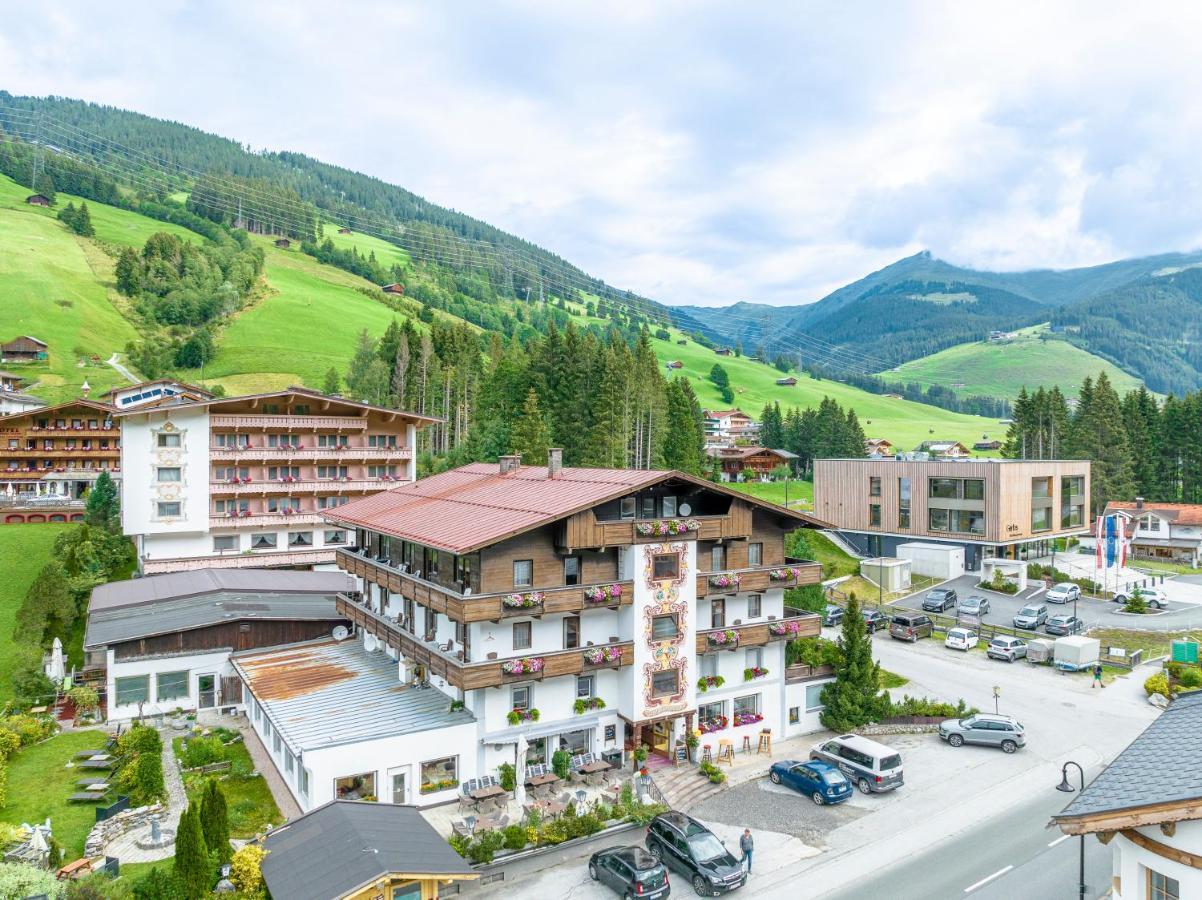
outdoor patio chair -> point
(467, 803)
(461, 829)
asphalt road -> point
(1095, 613)
(1010, 855)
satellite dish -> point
(370, 644)
(340, 633)
(685, 509)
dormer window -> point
(628, 507)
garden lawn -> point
(24, 550)
(799, 493)
(387, 254)
(39, 783)
(1163, 567)
(247, 797)
(1153, 643)
(835, 562)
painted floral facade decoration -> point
(666, 654)
(666, 527)
(523, 601)
(603, 593)
(789, 573)
(599, 656)
(523, 665)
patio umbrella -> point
(57, 670)
(37, 840)
(519, 790)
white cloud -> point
(701, 152)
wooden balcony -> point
(270, 456)
(582, 531)
(472, 607)
(299, 486)
(289, 423)
(760, 579)
(266, 520)
(470, 675)
(801, 672)
(760, 634)
(61, 453)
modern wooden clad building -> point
(991, 507)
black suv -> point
(684, 844)
(874, 620)
(939, 599)
(631, 871)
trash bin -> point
(613, 757)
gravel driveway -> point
(760, 804)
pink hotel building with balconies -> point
(242, 481)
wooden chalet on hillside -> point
(283, 243)
(878, 447)
(38, 200)
(743, 463)
(787, 382)
(393, 289)
(24, 349)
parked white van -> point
(873, 768)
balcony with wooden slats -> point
(760, 634)
(582, 531)
(460, 607)
(469, 675)
(288, 423)
(759, 579)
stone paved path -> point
(124, 847)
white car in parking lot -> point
(1065, 592)
(961, 638)
(1154, 597)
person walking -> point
(747, 845)
(1097, 676)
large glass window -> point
(168, 473)
(665, 565)
(1041, 518)
(263, 542)
(937, 519)
(224, 542)
(1041, 487)
(519, 697)
(1072, 515)
(571, 632)
(874, 515)
(665, 683)
(747, 706)
(903, 503)
(668, 505)
(1162, 887)
(974, 489)
(874, 486)
(814, 697)
(133, 689)
(170, 685)
(356, 787)
(664, 628)
(300, 539)
(707, 712)
(440, 774)
(168, 440)
(523, 572)
(945, 488)
(168, 509)
(1072, 485)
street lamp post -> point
(997, 695)
(1068, 789)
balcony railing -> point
(265, 520)
(458, 672)
(461, 606)
(302, 486)
(795, 624)
(794, 573)
(62, 453)
(289, 423)
(49, 503)
(254, 454)
(262, 560)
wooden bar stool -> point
(765, 742)
(726, 751)
(706, 755)
(746, 743)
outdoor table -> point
(484, 823)
(594, 767)
(551, 807)
(488, 793)
(540, 780)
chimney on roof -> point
(1139, 502)
(510, 463)
(554, 462)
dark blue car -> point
(820, 781)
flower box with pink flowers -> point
(523, 665)
(789, 573)
(517, 603)
(727, 639)
(726, 580)
(747, 719)
(664, 527)
(603, 656)
(716, 723)
(787, 629)
(603, 594)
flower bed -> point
(584, 704)
(523, 601)
(433, 787)
(518, 716)
(726, 638)
(666, 526)
(603, 593)
(754, 672)
(718, 723)
(747, 719)
(525, 665)
(725, 580)
(789, 573)
(705, 682)
(784, 629)
(599, 656)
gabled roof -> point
(27, 337)
(1158, 778)
(1178, 513)
(217, 403)
(744, 452)
(70, 404)
(345, 845)
(142, 385)
(475, 505)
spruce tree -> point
(128, 272)
(332, 383)
(83, 222)
(1099, 435)
(214, 820)
(683, 446)
(855, 697)
(102, 508)
(530, 436)
(191, 867)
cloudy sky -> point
(695, 152)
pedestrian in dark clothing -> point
(1097, 676)
(747, 845)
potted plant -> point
(640, 757)
(705, 682)
(561, 762)
(691, 742)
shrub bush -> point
(1191, 677)
(1157, 684)
(459, 843)
(484, 848)
(561, 762)
(508, 776)
(924, 706)
(515, 837)
(813, 652)
(201, 751)
(1136, 603)
(552, 833)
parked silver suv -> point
(1031, 616)
(985, 729)
(1007, 648)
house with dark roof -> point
(346, 850)
(161, 643)
(1163, 531)
(24, 348)
(751, 463)
(1147, 806)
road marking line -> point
(998, 874)
(1063, 837)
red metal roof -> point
(475, 505)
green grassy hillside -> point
(24, 550)
(1001, 369)
(54, 286)
(386, 254)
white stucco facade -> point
(161, 677)
(1135, 867)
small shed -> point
(283, 243)
(24, 349)
(787, 382)
(891, 573)
(344, 231)
(675, 364)
(393, 289)
(38, 200)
